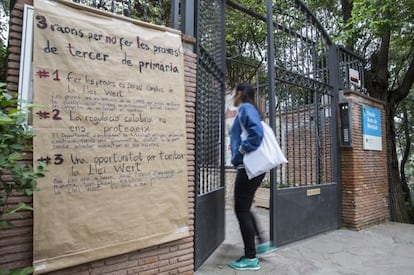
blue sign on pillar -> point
(371, 129)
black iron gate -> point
(305, 199)
(209, 218)
(301, 105)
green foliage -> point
(15, 137)
(15, 176)
(245, 44)
(329, 14)
(152, 11)
(378, 16)
(18, 271)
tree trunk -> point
(346, 16)
(407, 149)
(377, 85)
(398, 209)
(397, 203)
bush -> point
(15, 140)
(15, 176)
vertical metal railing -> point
(335, 153)
(303, 95)
(272, 103)
(351, 70)
(209, 97)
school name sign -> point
(110, 124)
(371, 129)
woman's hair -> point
(247, 93)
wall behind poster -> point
(111, 126)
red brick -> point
(148, 260)
(155, 265)
(14, 49)
(15, 248)
(113, 268)
(15, 240)
(17, 12)
(186, 245)
(175, 266)
(148, 272)
(16, 21)
(15, 28)
(176, 254)
(185, 258)
(116, 259)
(185, 271)
(148, 253)
(119, 272)
(11, 257)
(82, 269)
(15, 42)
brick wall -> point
(171, 258)
(364, 173)
(299, 144)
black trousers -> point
(244, 190)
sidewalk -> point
(384, 249)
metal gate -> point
(301, 104)
(209, 218)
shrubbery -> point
(16, 176)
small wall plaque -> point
(313, 192)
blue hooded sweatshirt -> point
(250, 118)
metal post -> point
(333, 66)
(187, 17)
(223, 96)
(174, 14)
(271, 80)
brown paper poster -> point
(111, 126)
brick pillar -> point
(364, 175)
(176, 257)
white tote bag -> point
(266, 157)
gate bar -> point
(271, 80)
(280, 27)
(334, 74)
(174, 14)
(187, 17)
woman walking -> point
(248, 118)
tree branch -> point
(383, 55)
(346, 10)
(404, 89)
(347, 7)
